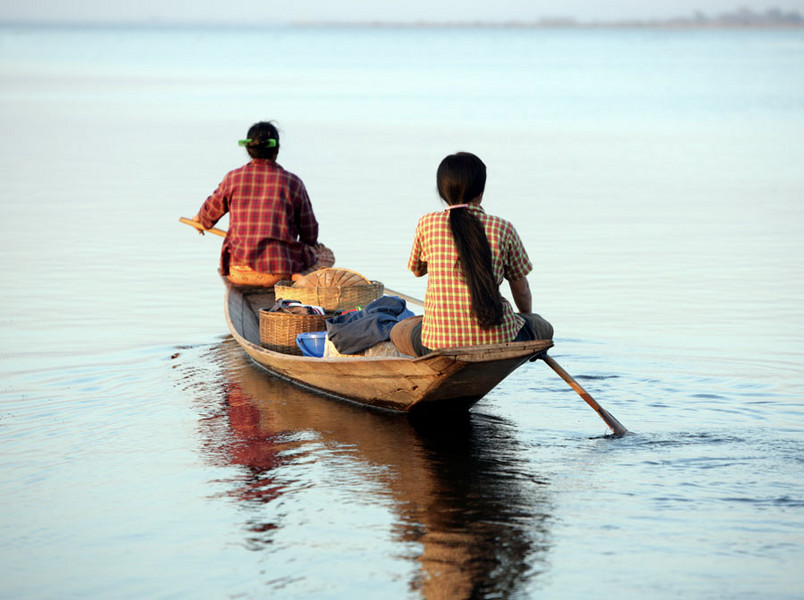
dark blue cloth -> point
(354, 332)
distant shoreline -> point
(740, 19)
(736, 20)
(399, 25)
(542, 25)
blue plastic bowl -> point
(312, 343)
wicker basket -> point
(278, 330)
(331, 289)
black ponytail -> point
(461, 178)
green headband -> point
(269, 143)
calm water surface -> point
(655, 177)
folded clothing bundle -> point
(294, 307)
(353, 332)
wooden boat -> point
(452, 379)
(448, 379)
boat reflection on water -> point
(459, 489)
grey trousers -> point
(407, 335)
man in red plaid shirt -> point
(273, 232)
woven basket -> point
(331, 289)
(278, 330)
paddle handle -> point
(199, 227)
(410, 299)
(617, 427)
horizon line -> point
(739, 18)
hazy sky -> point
(440, 10)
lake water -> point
(656, 179)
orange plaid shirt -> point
(448, 319)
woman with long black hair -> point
(466, 254)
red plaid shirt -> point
(448, 319)
(271, 220)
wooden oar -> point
(201, 228)
(617, 427)
(405, 297)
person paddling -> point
(273, 232)
(466, 254)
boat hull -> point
(448, 379)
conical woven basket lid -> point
(331, 278)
